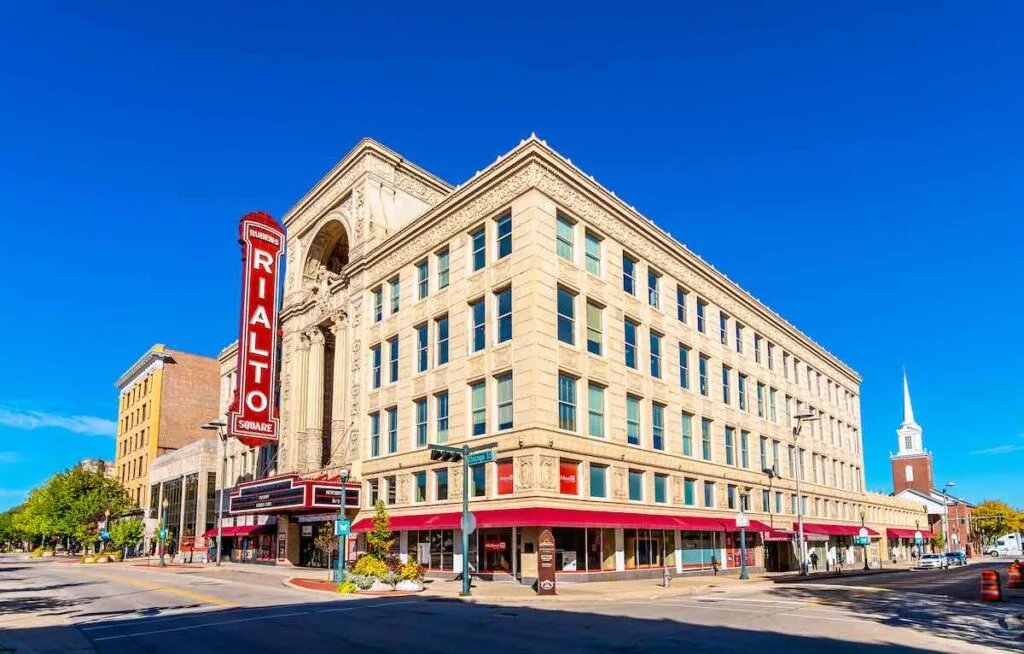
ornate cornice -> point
(153, 359)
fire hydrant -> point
(666, 578)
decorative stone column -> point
(314, 402)
(339, 398)
(299, 379)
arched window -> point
(909, 472)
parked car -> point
(956, 558)
(931, 561)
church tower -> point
(912, 464)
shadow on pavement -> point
(38, 589)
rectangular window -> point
(771, 356)
(689, 491)
(422, 347)
(441, 330)
(568, 476)
(504, 401)
(504, 229)
(775, 456)
(742, 391)
(506, 477)
(478, 404)
(598, 480)
(658, 426)
(393, 358)
(653, 286)
(420, 486)
(778, 501)
(632, 420)
(739, 337)
(684, 366)
(629, 274)
(631, 329)
(681, 303)
(726, 393)
(443, 262)
(567, 402)
(566, 316)
(730, 496)
(771, 405)
(421, 422)
(595, 328)
(372, 491)
(478, 337)
(595, 409)
(757, 348)
(702, 326)
(744, 449)
(785, 364)
(592, 245)
(636, 486)
(730, 457)
(375, 433)
(723, 327)
(478, 480)
(396, 295)
(760, 400)
(504, 298)
(766, 499)
(375, 356)
(705, 439)
(764, 453)
(422, 279)
(378, 304)
(392, 486)
(564, 238)
(702, 371)
(441, 405)
(660, 488)
(392, 430)
(441, 484)
(687, 434)
(709, 494)
(478, 240)
(655, 354)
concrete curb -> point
(846, 575)
(288, 584)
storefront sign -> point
(505, 478)
(567, 473)
(281, 494)
(495, 545)
(253, 415)
(546, 563)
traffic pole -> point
(465, 521)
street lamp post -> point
(742, 521)
(800, 418)
(945, 517)
(864, 538)
(771, 475)
(342, 539)
(106, 528)
(221, 428)
(163, 532)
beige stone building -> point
(635, 394)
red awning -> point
(244, 530)
(900, 533)
(833, 530)
(778, 535)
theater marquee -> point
(253, 416)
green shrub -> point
(362, 582)
(391, 578)
(370, 566)
(347, 587)
(117, 557)
(411, 571)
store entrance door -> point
(311, 556)
(498, 552)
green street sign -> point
(480, 457)
(163, 534)
(861, 540)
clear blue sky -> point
(857, 166)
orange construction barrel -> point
(1013, 578)
(990, 591)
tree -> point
(992, 519)
(938, 540)
(11, 534)
(125, 533)
(380, 540)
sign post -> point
(864, 540)
(546, 563)
(742, 521)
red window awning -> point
(778, 535)
(244, 530)
(900, 533)
(833, 530)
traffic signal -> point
(445, 454)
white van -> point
(1008, 545)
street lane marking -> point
(164, 588)
(115, 621)
(362, 606)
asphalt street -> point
(61, 607)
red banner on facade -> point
(567, 478)
(253, 416)
(505, 482)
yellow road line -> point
(163, 588)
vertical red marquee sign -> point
(253, 417)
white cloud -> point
(20, 419)
(10, 457)
(1001, 449)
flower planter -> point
(409, 586)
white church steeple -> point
(910, 434)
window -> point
(684, 366)
(739, 337)
(378, 304)
(564, 238)
(653, 283)
(595, 328)
(636, 486)
(775, 456)
(705, 439)
(421, 422)
(598, 480)
(566, 316)
(730, 456)
(441, 330)
(764, 453)
(478, 241)
(730, 496)
(680, 304)
(567, 402)
(744, 501)
(742, 390)
(778, 501)
(723, 327)
(504, 401)
(392, 486)
(375, 356)
(392, 430)
(796, 370)
(441, 484)
(702, 371)
(478, 480)
(478, 404)
(701, 310)
(504, 298)
(744, 449)
(687, 434)
(422, 279)
(760, 400)
(726, 393)
(689, 491)
(372, 491)
(592, 246)
(478, 337)
(771, 404)
(568, 477)
(658, 426)
(595, 409)
(443, 261)
(709, 494)
(441, 406)
(393, 358)
(375, 433)
(771, 356)
(396, 295)
(632, 420)
(785, 365)
(506, 477)
(908, 472)
(660, 488)
(419, 480)
(504, 229)
(655, 354)
(766, 501)
(422, 352)
(631, 329)
(757, 348)
(629, 274)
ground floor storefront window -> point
(582, 549)
(433, 549)
(649, 548)
(311, 554)
(701, 549)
